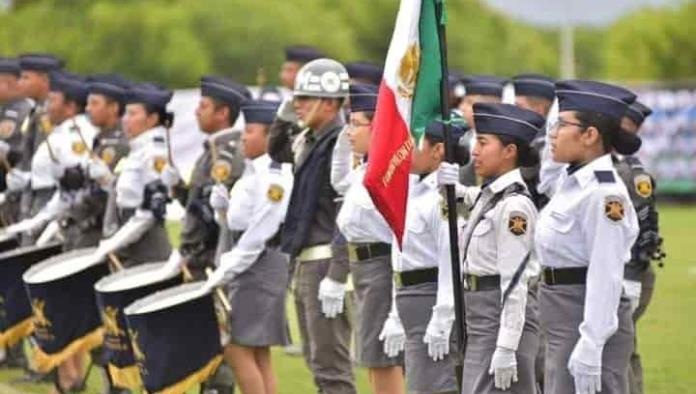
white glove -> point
(173, 263)
(286, 111)
(27, 225)
(437, 334)
(331, 294)
(57, 170)
(4, 148)
(17, 179)
(170, 176)
(51, 232)
(219, 197)
(393, 335)
(448, 174)
(98, 170)
(504, 366)
(632, 289)
(588, 378)
(215, 279)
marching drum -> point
(13, 263)
(175, 338)
(65, 316)
(114, 293)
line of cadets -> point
(281, 204)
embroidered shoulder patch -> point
(643, 185)
(220, 171)
(275, 193)
(159, 163)
(108, 155)
(614, 208)
(7, 128)
(517, 223)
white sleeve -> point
(609, 247)
(444, 276)
(514, 241)
(268, 214)
(134, 229)
(341, 163)
(550, 172)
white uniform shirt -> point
(359, 220)
(590, 222)
(63, 149)
(257, 206)
(425, 242)
(147, 156)
(498, 245)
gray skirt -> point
(257, 299)
(373, 282)
(423, 375)
(562, 309)
(482, 326)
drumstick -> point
(220, 295)
(115, 262)
(187, 274)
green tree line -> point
(175, 41)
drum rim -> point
(115, 276)
(14, 252)
(135, 308)
(36, 268)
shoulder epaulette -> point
(605, 176)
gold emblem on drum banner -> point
(408, 71)
(643, 185)
(79, 148)
(220, 171)
(614, 209)
(110, 319)
(137, 351)
(108, 155)
(159, 163)
(275, 193)
(39, 317)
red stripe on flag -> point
(389, 162)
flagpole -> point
(460, 323)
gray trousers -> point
(562, 310)
(423, 375)
(635, 370)
(325, 342)
(482, 326)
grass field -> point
(667, 333)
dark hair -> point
(527, 156)
(164, 118)
(233, 110)
(121, 105)
(80, 102)
(608, 126)
(461, 148)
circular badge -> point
(7, 128)
(614, 209)
(108, 155)
(275, 193)
(79, 148)
(220, 171)
(159, 163)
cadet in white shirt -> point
(583, 239)
(379, 335)
(499, 260)
(425, 307)
(255, 271)
(134, 218)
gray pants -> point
(373, 283)
(562, 309)
(482, 326)
(635, 370)
(325, 342)
(423, 375)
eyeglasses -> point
(563, 123)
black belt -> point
(367, 251)
(565, 276)
(481, 283)
(416, 277)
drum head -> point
(31, 253)
(61, 266)
(134, 277)
(166, 299)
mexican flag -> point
(409, 98)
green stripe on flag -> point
(426, 99)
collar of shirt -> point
(506, 180)
(586, 174)
(220, 133)
(145, 138)
(337, 121)
(426, 184)
(259, 163)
